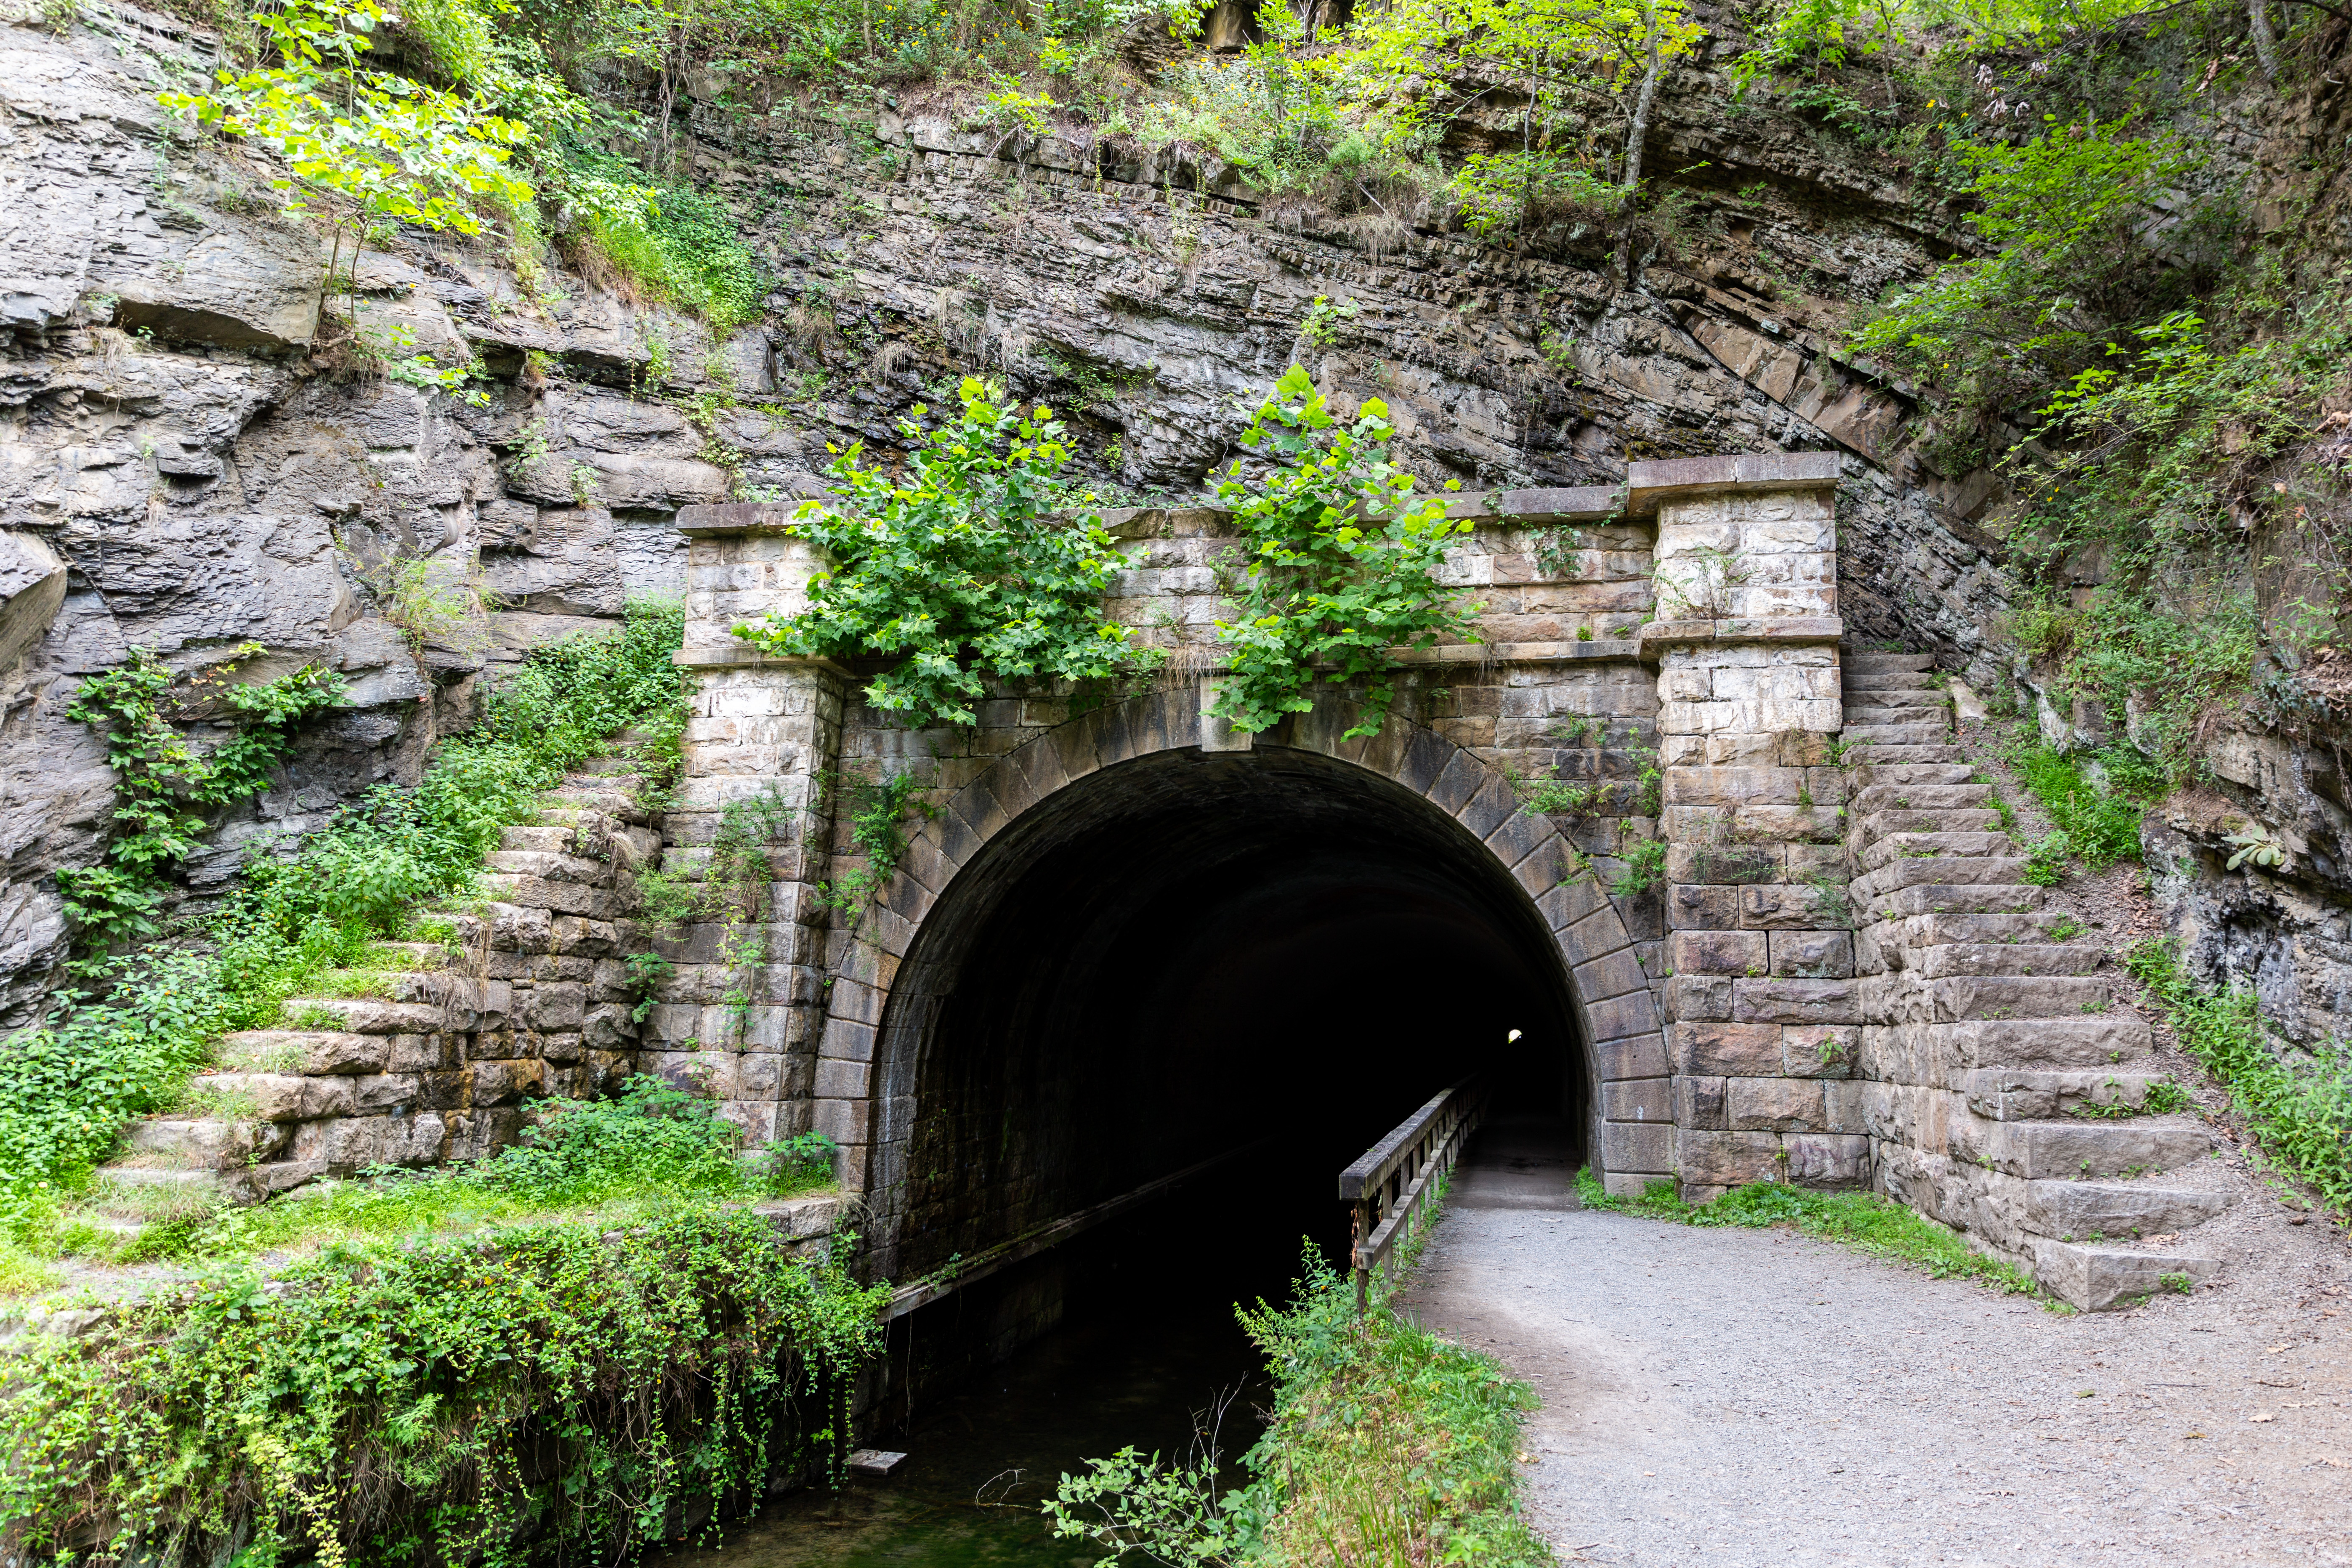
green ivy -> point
(541, 1391)
(975, 562)
(165, 784)
(1339, 564)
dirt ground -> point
(1734, 1397)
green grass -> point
(1871, 1224)
(2097, 821)
(621, 1160)
(1386, 1445)
(2297, 1106)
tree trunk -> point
(1641, 131)
(2258, 22)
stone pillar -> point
(1763, 1014)
(741, 1014)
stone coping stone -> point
(1793, 629)
(1647, 484)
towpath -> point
(1747, 1397)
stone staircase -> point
(426, 1054)
(2006, 1090)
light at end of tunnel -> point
(1509, 1037)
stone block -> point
(1722, 864)
(847, 1122)
(1776, 1104)
(1727, 1159)
(1700, 1102)
(1638, 1100)
(1637, 1146)
(1820, 1050)
(1828, 1160)
(1796, 1002)
(1738, 787)
(1726, 1049)
(1718, 952)
(1690, 997)
(1812, 955)
(1622, 1018)
(1615, 974)
(1690, 906)
(1631, 1057)
(561, 1005)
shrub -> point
(1340, 562)
(978, 562)
(443, 1400)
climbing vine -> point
(165, 784)
(977, 560)
(444, 1402)
(1341, 561)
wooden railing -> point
(1390, 1186)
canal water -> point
(1149, 1349)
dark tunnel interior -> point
(1192, 953)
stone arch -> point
(877, 1020)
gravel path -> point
(1741, 1397)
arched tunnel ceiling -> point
(1189, 951)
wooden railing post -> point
(1390, 1185)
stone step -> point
(2094, 1211)
(1875, 663)
(1923, 796)
(1894, 707)
(1965, 845)
(1866, 775)
(257, 1096)
(1869, 828)
(1943, 926)
(2063, 1149)
(549, 866)
(2027, 1094)
(544, 839)
(1957, 998)
(612, 764)
(200, 1144)
(610, 802)
(1921, 735)
(1857, 680)
(2089, 1040)
(414, 955)
(319, 1051)
(2112, 1279)
(1955, 898)
(1973, 958)
(1908, 755)
(369, 1015)
(1980, 871)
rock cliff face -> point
(188, 464)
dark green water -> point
(1149, 1339)
(980, 1461)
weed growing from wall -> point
(1339, 564)
(978, 562)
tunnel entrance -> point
(1190, 952)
